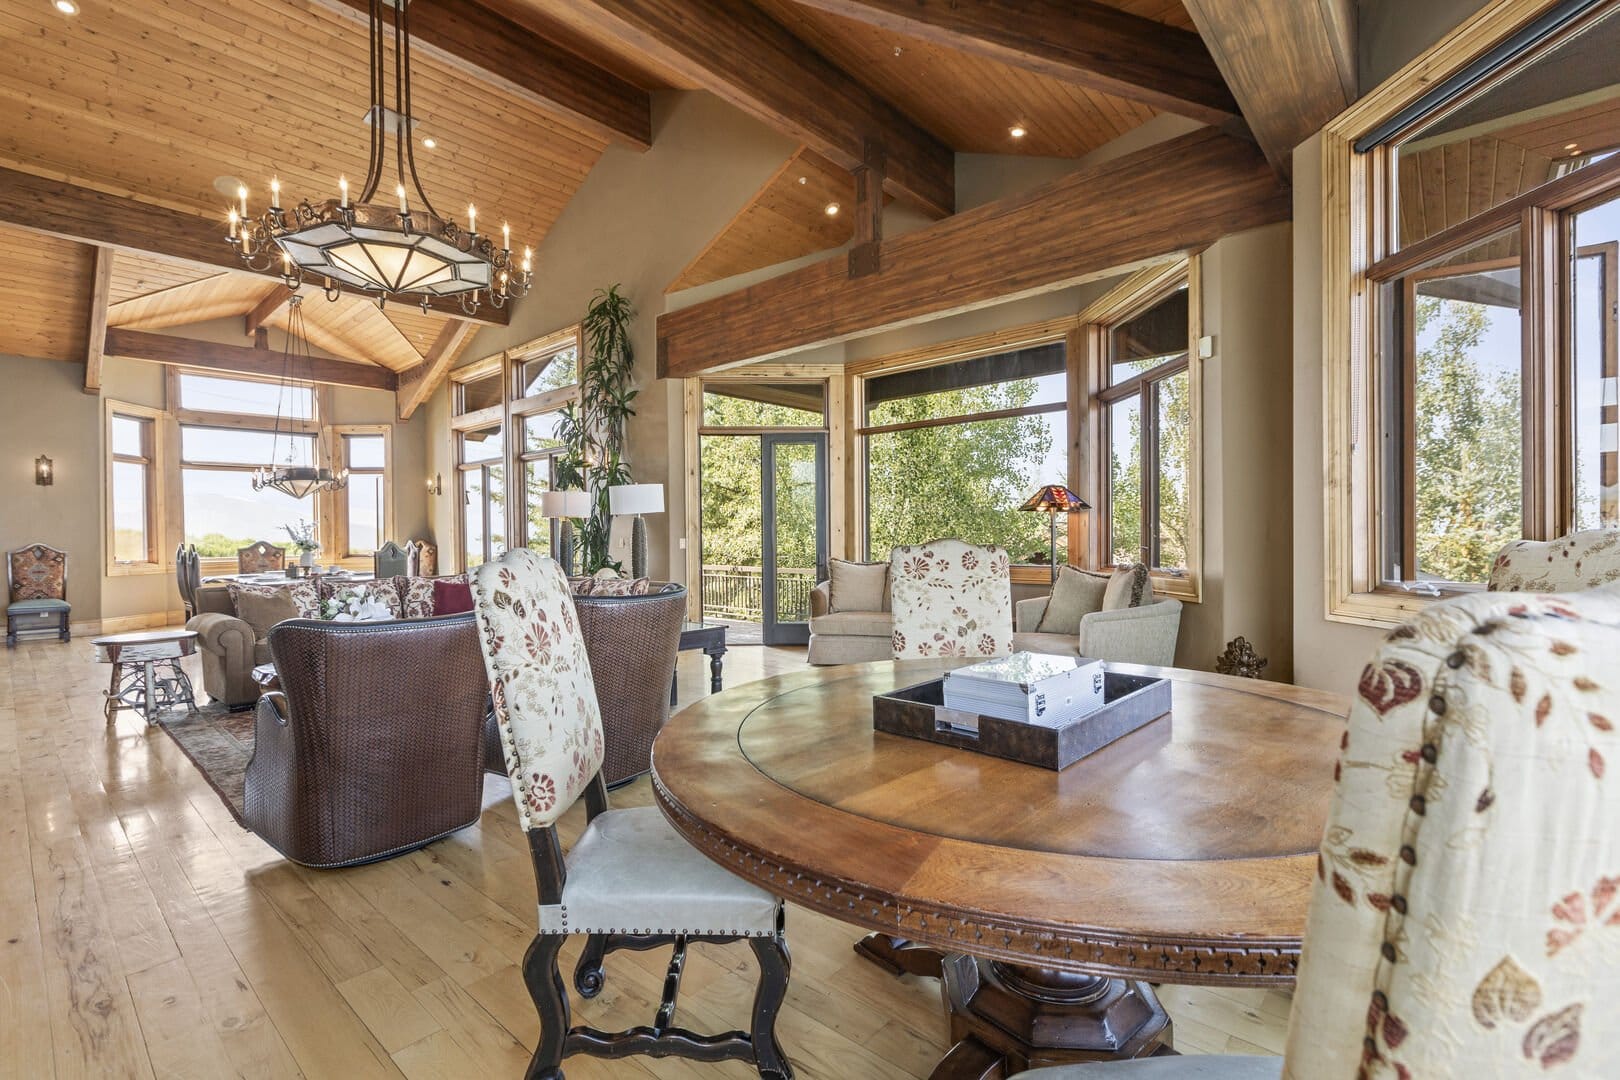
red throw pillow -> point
(451, 597)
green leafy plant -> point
(594, 432)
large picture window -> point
(364, 506)
(483, 495)
(132, 503)
(1470, 314)
(952, 450)
(222, 511)
(1146, 408)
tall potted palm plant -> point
(594, 432)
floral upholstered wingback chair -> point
(1466, 918)
(1581, 560)
(951, 599)
(630, 881)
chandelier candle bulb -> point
(506, 237)
(526, 261)
(343, 188)
(399, 189)
(241, 198)
(472, 219)
(275, 193)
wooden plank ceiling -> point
(969, 102)
(48, 302)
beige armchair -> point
(1138, 635)
(1467, 910)
(228, 647)
(847, 637)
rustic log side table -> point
(146, 673)
(1049, 902)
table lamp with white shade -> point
(566, 505)
(635, 500)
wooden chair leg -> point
(550, 996)
(775, 965)
(589, 977)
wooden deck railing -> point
(738, 592)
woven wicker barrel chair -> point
(374, 744)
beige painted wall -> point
(45, 411)
(637, 220)
(55, 417)
(1329, 655)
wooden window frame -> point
(1360, 255)
(1011, 339)
(151, 460)
(1130, 298)
(839, 440)
(341, 433)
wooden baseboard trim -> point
(123, 624)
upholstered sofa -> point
(374, 744)
(1144, 634)
(230, 647)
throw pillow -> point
(416, 596)
(382, 591)
(263, 610)
(451, 597)
(1076, 593)
(602, 586)
(858, 586)
(303, 593)
(1127, 588)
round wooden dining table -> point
(1048, 901)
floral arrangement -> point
(353, 605)
(302, 536)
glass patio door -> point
(793, 469)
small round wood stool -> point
(146, 672)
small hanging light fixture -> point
(285, 472)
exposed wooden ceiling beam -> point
(95, 217)
(494, 50)
(273, 301)
(100, 290)
(1172, 197)
(1079, 41)
(1291, 65)
(186, 352)
(416, 385)
(736, 51)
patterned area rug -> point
(219, 742)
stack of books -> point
(1030, 688)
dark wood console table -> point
(711, 638)
(1182, 853)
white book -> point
(1034, 688)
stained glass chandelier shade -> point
(404, 251)
(290, 469)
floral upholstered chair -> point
(630, 881)
(1466, 917)
(1581, 560)
(36, 592)
(951, 598)
(260, 557)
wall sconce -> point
(44, 471)
(435, 484)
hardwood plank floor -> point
(146, 935)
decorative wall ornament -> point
(1239, 659)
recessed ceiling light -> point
(228, 186)
(1018, 131)
(898, 50)
(66, 7)
(832, 209)
(430, 142)
(804, 179)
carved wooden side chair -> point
(260, 557)
(424, 558)
(390, 560)
(631, 881)
(1466, 912)
(36, 592)
(951, 598)
(187, 576)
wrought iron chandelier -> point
(286, 473)
(377, 249)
